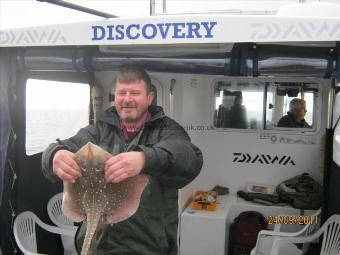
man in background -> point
(238, 113)
(295, 117)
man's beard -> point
(130, 119)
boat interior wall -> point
(193, 109)
(243, 60)
(221, 147)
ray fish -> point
(96, 201)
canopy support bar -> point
(79, 8)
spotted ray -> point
(92, 199)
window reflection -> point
(238, 105)
(294, 104)
(262, 105)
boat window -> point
(54, 110)
(239, 105)
(262, 105)
(285, 105)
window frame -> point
(317, 107)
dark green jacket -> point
(172, 162)
(289, 121)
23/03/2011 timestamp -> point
(293, 219)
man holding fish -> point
(144, 141)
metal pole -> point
(171, 89)
(79, 8)
(152, 7)
(164, 6)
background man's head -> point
(298, 108)
(133, 93)
(227, 99)
(238, 99)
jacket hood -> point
(111, 116)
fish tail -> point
(90, 238)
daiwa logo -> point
(263, 159)
(32, 36)
(309, 30)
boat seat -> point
(25, 233)
(54, 210)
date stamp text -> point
(293, 219)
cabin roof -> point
(179, 29)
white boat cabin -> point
(57, 79)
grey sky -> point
(27, 13)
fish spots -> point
(95, 199)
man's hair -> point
(132, 73)
(296, 103)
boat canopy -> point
(179, 30)
(240, 59)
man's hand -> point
(65, 167)
(123, 166)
